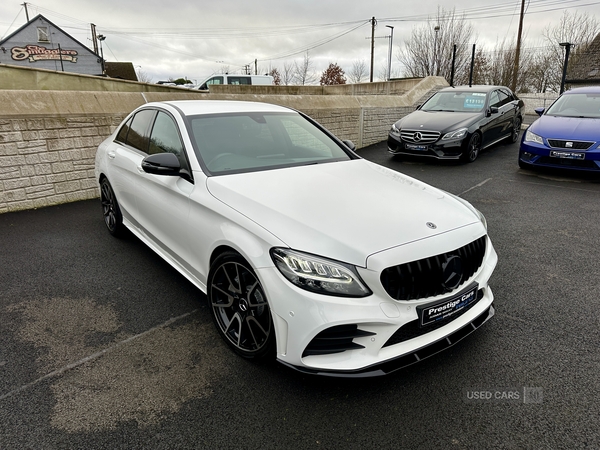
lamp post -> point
(567, 46)
(390, 52)
(101, 37)
(436, 65)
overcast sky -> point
(168, 39)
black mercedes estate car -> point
(458, 122)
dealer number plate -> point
(567, 155)
(446, 309)
(416, 147)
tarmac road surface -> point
(103, 345)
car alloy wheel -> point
(514, 137)
(473, 147)
(110, 209)
(239, 307)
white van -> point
(261, 80)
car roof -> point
(583, 90)
(474, 88)
(196, 107)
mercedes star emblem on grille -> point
(452, 272)
(417, 136)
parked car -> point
(258, 206)
(235, 79)
(458, 122)
(566, 135)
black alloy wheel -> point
(473, 148)
(110, 209)
(239, 307)
(514, 137)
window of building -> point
(43, 35)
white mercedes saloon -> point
(306, 252)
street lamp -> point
(101, 37)
(567, 46)
(390, 52)
(436, 71)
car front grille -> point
(419, 136)
(575, 145)
(427, 277)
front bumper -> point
(380, 344)
(451, 150)
(536, 155)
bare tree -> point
(303, 74)
(574, 28)
(143, 77)
(288, 74)
(430, 47)
(359, 71)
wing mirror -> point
(350, 145)
(539, 111)
(161, 164)
(492, 110)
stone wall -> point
(48, 139)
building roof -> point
(586, 68)
(121, 70)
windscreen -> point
(456, 101)
(231, 143)
(576, 105)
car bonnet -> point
(344, 211)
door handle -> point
(111, 155)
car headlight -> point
(318, 274)
(456, 134)
(394, 130)
(532, 137)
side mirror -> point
(161, 164)
(492, 110)
(418, 107)
(350, 145)
(539, 111)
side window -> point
(215, 80)
(503, 96)
(238, 80)
(165, 138)
(137, 136)
(495, 100)
(122, 134)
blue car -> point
(567, 134)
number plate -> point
(416, 147)
(567, 155)
(446, 309)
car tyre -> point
(113, 219)
(514, 136)
(239, 307)
(473, 148)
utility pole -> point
(94, 38)
(373, 22)
(518, 49)
(26, 12)
(567, 46)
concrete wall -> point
(48, 139)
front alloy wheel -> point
(239, 307)
(473, 147)
(110, 209)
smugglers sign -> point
(38, 53)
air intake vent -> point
(336, 339)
